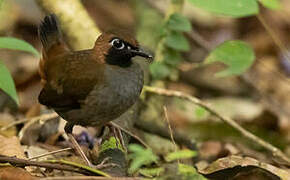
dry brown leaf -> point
(13, 173)
(6, 119)
(210, 149)
(231, 162)
(11, 147)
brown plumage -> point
(89, 87)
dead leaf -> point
(210, 149)
(13, 173)
(11, 147)
(6, 119)
(233, 165)
(33, 151)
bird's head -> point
(118, 49)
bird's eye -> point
(118, 44)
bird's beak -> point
(142, 53)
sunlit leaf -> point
(140, 156)
(189, 172)
(17, 44)
(271, 4)
(178, 22)
(7, 83)
(237, 55)
(177, 41)
(182, 154)
(151, 172)
(233, 8)
(201, 113)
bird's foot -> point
(105, 164)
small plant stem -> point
(275, 151)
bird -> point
(88, 87)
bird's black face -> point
(121, 52)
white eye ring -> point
(117, 43)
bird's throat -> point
(118, 58)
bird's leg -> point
(118, 135)
(68, 129)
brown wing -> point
(70, 78)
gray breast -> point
(120, 91)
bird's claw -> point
(105, 164)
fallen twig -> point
(163, 132)
(90, 178)
(131, 134)
(52, 165)
(81, 166)
(275, 151)
(169, 127)
(43, 117)
(50, 153)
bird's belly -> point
(109, 106)
(111, 100)
(103, 106)
(108, 101)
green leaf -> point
(182, 154)
(112, 143)
(237, 55)
(17, 44)
(178, 22)
(233, 8)
(140, 156)
(176, 40)
(271, 4)
(186, 169)
(172, 57)
(189, 172)
(201, 113)
(159, 70)
(151, 172)
(7, 83)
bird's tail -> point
(51, 36)
(52, 41)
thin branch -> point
(203, 43)
(153, 128)
(90, 178)
(43, 117)
(169, 127)
(22, 163)
(15, 123)
(50, 153)
(271, 32)
(131, 134)
(275, 151)
(170, 130)
(81, 166)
